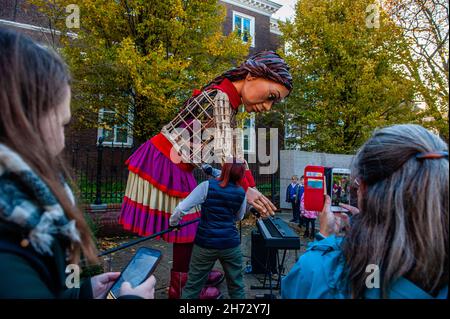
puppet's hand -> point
(211, 171)
(207, 169)
(260, 202)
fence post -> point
(272, 190)
(98, 194)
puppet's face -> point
(259, 94)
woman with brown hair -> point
(41, 229)
(397, 245)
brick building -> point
(19, 15)
(254, 17)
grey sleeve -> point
(196, 197)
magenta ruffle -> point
(152, 165)
(144, 221)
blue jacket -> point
(300, 191)
(320, 274)
(290, 192)
(217, 227)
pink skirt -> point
(154, 188)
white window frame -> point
(100, 130)
(252, 25)
(288, 131)
(250, 132)
(310, 127)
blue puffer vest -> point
(217, 227)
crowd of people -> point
(399, 228)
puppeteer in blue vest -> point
(222, 202)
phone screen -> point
(139, 269)
(340, 187)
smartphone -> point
(140, 267)
(338, 188)
(314, 184)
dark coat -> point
(25, 274)
(289, 190)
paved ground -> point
(120, 259)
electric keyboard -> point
(277, 233)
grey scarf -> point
(27, 201)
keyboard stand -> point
(268, 273)
(280, 267)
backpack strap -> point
(32, 257)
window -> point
(310, 128)
(245, 26)
(248, 137)
(114, 134)
(295, 133)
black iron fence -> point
(101, 174)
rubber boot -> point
(178, 281)
(215, 277)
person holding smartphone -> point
(223, 202)
(42, 232)
(396, 243)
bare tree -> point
(426, 25)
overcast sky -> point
(286, 11)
